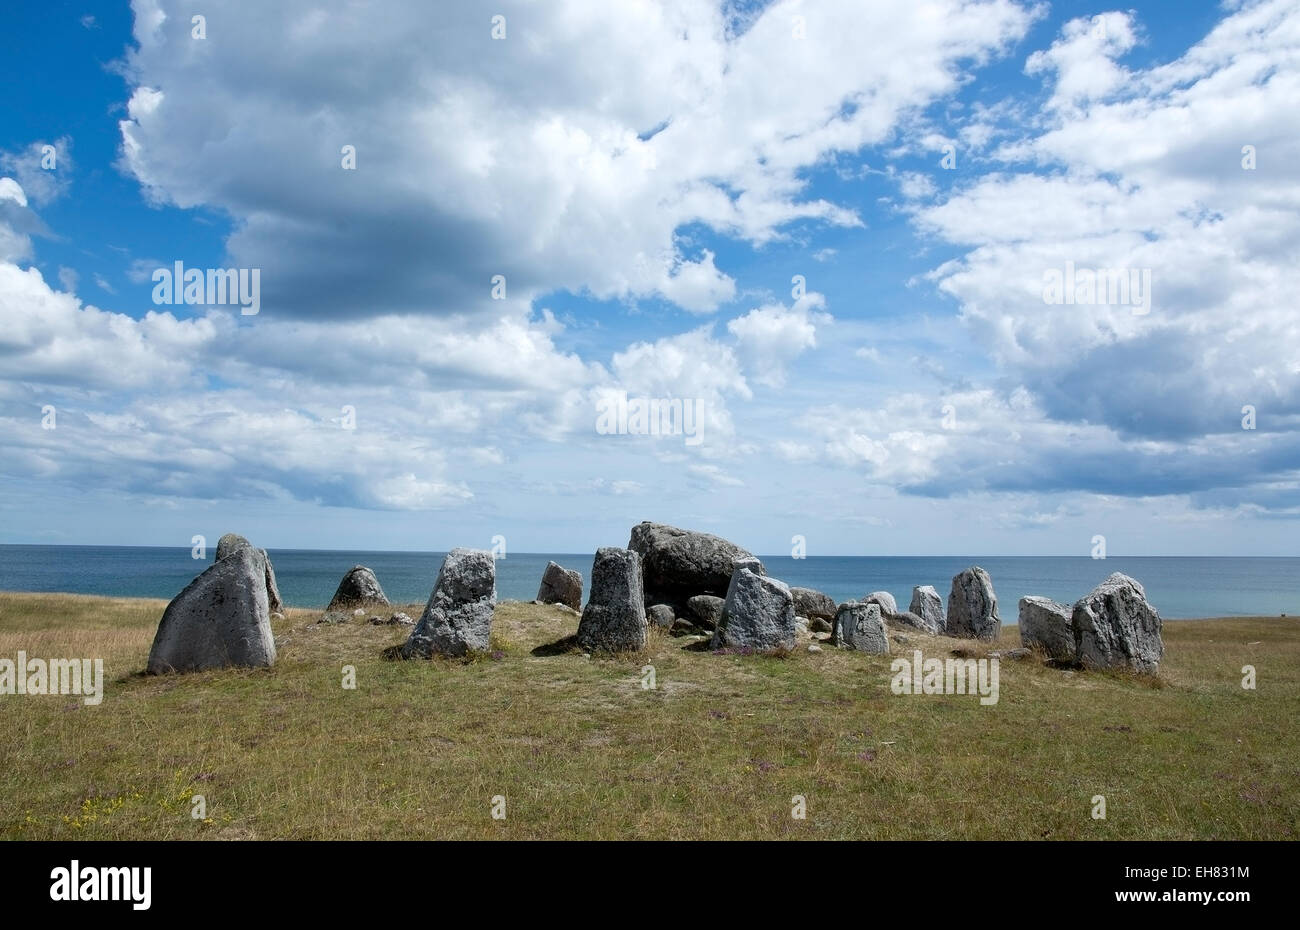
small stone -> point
(661, 615)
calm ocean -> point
(1178, 587)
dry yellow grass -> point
(579, 749)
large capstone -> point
(678, 564)
(560, 586)
(1116, 627)
(221, 619)
(1047, 625)
(927, 605)
(614, 619)
(358, 588)
(458, 617)
(859, 625)
(972, 606)
(758, 612)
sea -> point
(1179, 587)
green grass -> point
(580, 750)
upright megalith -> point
(614, 619)
(231, 542)
(972, 606)
(679, 564)
(358, 588)
(860, 625)
(221, 619)
(457, 619)
(758, 612)
(1047, 625)
(1116, 627)
(927, 605)
(560, 586)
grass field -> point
(579, 749)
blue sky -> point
(649, 179)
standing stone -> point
(886, 601)
(560, 586)
(972, 606)
(758, 612)
(1048, 625)
(458, 617)
(678, 564)
(860, 626)
(813, 604)
(1116, 627)
(221, 619)
(359, 586)
(231, 543)
(707, 610)
(927, 605)
(614, 619)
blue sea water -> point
(1179, 587)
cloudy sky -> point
(830, 225)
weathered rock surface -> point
(1115, 627)
(927, 605)
(272, 589)
(758, 613)
(860, 626)
(813, 604)
(1048, 625)
(678, 564)
(227, 545)
(661, 615)
(458, 617)
(706, 609)
(972, 606)
(886, 601)
(560, 585)
(910, 620)
(232, 542)
(358, 586)
(614, 619)
(221, 619)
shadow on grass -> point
(560, 647)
